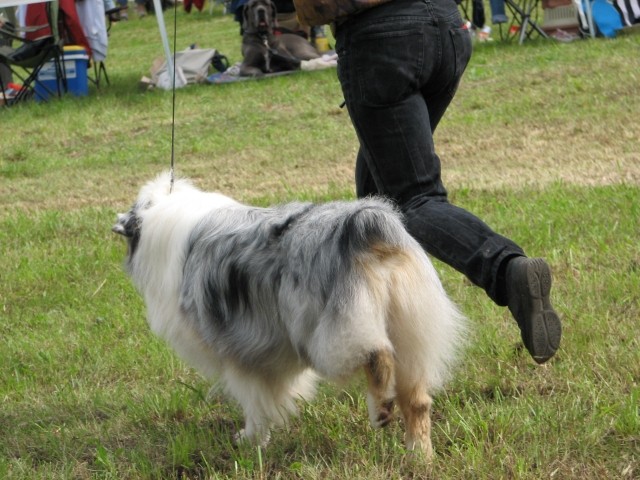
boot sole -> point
(545, 328)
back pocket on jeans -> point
(386, 65)
(461, 39)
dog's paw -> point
(380, 414)
(242, 437)
(385, 414)
(239, 437)
(419, 448)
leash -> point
(173, 97)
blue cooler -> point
(76, 62)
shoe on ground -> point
(484, 35)
(528, 290)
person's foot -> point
(528, 289)
(484, 34)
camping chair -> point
(114, 15)
(99, 74)
(524, 21)
(27, 61)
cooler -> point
(75, 61)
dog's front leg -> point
(253, 64)
(254, 433)
(250, 71)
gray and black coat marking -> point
(264, 300)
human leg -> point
(498, 14)
(398, 77)
(508, 277)
(478, 17)
(399, 67)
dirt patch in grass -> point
(535, 156)
(485, 162)
(482, 157)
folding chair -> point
(114, 15)
(524, 21)
(99, 73)
(30, 57)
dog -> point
(268, 300)
(265, 52)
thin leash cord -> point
(173, 97)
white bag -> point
(192, 66)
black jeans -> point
(399, 65)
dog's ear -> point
(274, 13)
(245, 18)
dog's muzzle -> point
(262, 19)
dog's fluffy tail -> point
(424, 326)
(372, 221)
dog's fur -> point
(265, 299)
(262, 50)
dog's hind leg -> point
(415, 405)
(380, 371)
(425, 329)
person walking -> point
(399, 65)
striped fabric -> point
(629, 11)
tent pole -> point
(165, 40)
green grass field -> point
(541, 142)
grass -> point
(539, 143)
